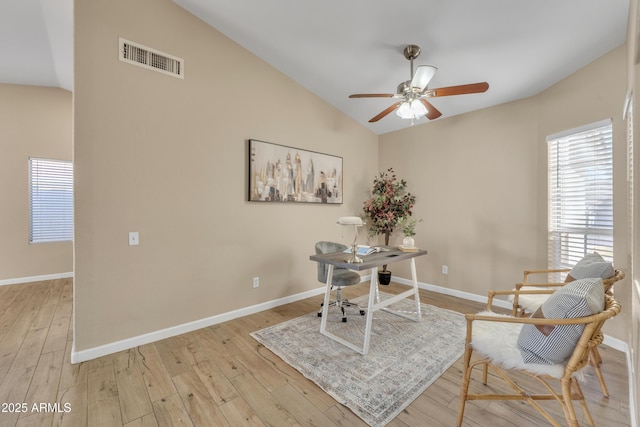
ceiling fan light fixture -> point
(418, 108)
(411, 110)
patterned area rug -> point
(405, 357)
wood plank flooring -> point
(220, 376)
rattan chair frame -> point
(569, 387)
(548, 289)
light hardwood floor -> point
(220, 376)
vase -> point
(408, 242)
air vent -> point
(143, 56)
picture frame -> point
(282, 174)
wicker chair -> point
(491, 323)
(527, 297)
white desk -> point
(374, 304)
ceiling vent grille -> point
(143, 56)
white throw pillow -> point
(555, 344)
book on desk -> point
(362, 250)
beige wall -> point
(34, 122)
(475, 181)
(481, 183)
(167, 157)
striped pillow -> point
(550, 345)
(592, 265)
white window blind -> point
(580, 194)
(630, 179)
(51, 200)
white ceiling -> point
(36, 42)
(336, 47)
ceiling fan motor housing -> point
(411, 52)
(405, 88)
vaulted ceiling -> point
(336, 48)
(36, 42)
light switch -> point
(134, 238)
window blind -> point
(630, 182)
(580, 179)
(51, 200)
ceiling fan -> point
(413, 93)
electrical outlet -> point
(445, 269)
(256, 282)
(134, 238)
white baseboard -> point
(616, 344)
(35, 278)
(114, 347)
(455, 293)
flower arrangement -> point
(408, 225)
(389, 203)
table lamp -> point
(356, 221)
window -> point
(51, 200)
(580, 194)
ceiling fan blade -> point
(423, 76)
(459, 90)
(385, 112)
(432, 112)
(372, 95)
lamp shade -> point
(404, 111)
(350, 220)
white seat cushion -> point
(531, 302)
(499, 342)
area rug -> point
(405, 357)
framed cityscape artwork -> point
(278, 173)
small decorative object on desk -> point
(408, 248)
(408, 224)
(408, 242)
